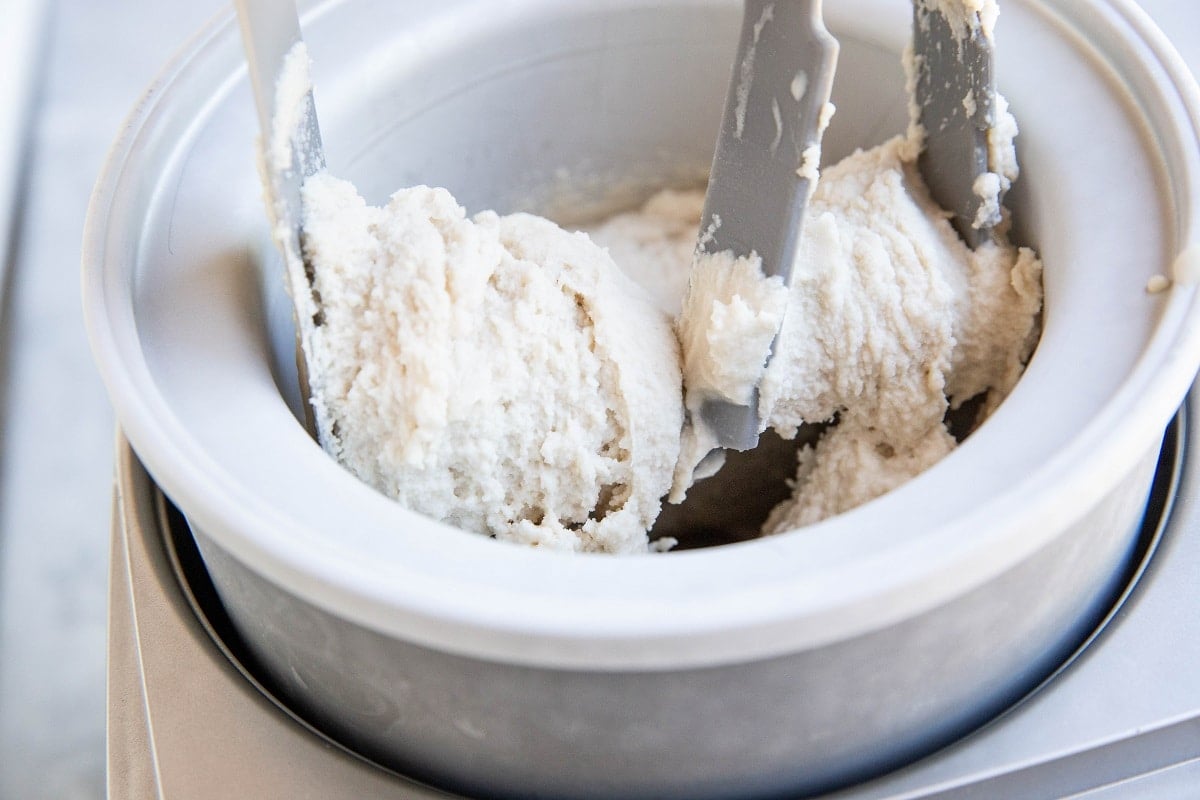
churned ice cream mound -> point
(496, 373)
(851, 464)
(505, 376)
(654, 244)
(892, 316)
(892, 320)
(730, 316)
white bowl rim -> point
(758, 623)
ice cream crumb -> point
(777, 115)
(987, 188)
(1157, 284)
(1001, 138)
(825, 117)
(496, 373)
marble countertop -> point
(55, 422)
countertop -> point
(96, 59)
(55, 422)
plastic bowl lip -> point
(756, 622)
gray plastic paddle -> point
(956, 97)
(270, 29)
(760, 181)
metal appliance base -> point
(188, 720)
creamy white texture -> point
(654, 244)
(890, 311)
(503, 375)
(291, 107)
(496, 373)
(730, 316)
(991, 186)
(849, 466)
(891, 321)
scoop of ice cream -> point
(504, 376)
(496, 373)
(851, 464)
(653, 244)
(892, 316)
(891, 321)
(730, 316)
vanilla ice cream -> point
(892, 321)
(512, 378)
(496, 373)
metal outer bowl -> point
(788, 664)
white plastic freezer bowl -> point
(1010, 544)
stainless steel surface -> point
(760, 180)
(182, 722)
(955, 90)
(806, 722)
(1121, 718)
(1120, 722)
(270, 32)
